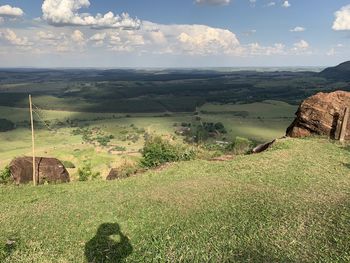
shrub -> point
(5, 175)
(68, 164)
(240, 146)
(85, 172)
(157, 151)
(119, 148)
(6, 125)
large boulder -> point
(47, 169)
(321, 114)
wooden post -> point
(344, 125)
(33, 144)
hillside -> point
(340, 72)
(286, 205)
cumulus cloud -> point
(257, 49)
(15, 40)
(298, 29)
(9, 11)
(271, 4)
(65, 12)
(98, 39)
(342, 19)
(78, 37)
(302, 45)
(213, 2)
(204, 40)
(43, 35)
(286, 4)
(126, 41)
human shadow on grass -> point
(108, 245)
(8, 248)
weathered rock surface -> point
(47, 169)
(321, 114)
(113, 174)
(263, 147)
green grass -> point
(275, 117)
(290, 204)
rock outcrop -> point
(47, 169)
(321, 114)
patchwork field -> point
(258, 121)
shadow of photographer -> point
(108, 245)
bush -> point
(157, 151)
(5, 175)
(85, 172)
(119, 148)
(240, 146)
(68, 164)
(6, 125)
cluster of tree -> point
(92, 135)
(201, 131)
(6, 125)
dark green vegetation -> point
(135, 91)
(6, 125)
(340, 72)
(5, 175)
(85, 173)
(286, 205)
(158, 151)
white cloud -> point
(249, 32)
(98, 37)
(271, 4)
(204, 40)
(213, 2)
(331, 52)
(15, 40)
(126, 41)
(252, 2)
(48, 35)
(301, 45)
(286, 4)
(65, 12)
(342, 19)
(257, 49)
(78, 37)
(298, 29)
(9, 11)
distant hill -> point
(340, 72)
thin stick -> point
(33, 144)
(344, 125)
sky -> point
(174, 33)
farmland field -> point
(262, 122)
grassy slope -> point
(291, 204)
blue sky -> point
(181, 33)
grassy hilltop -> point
(290, 204)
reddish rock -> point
(321, 114)
(49, 170)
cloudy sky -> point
(173, 33)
